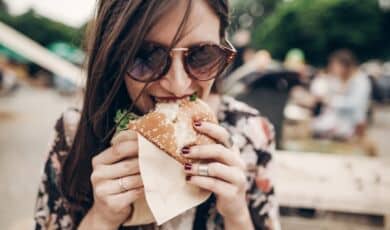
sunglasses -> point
(202, 62)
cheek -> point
(134, 88)
(205, 87)
(144, 103)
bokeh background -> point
(331, 170)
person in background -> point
(241, 40)
(255, 63)
(295, 61)
(345, 108)
(249, 54)
(8, 77)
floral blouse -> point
(254, 136)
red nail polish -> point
(197, 123)
(188, 177)
(185, 150)
(187, 166)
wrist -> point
(94, 221)
(241, 221)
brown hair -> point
(118, 30)
(345, 57)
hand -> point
(226, 171)
(116, 182)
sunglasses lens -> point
(206, 62)
(149, 63)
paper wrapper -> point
(166, 191)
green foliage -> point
(43, 30)
(3, 6)
(321, 26)
(316, 26)
(252, 11)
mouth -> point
(158, 99)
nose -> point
(177, 80)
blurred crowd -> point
(338, 99)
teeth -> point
(160, 100)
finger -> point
(111, 187)
(126, 135)
(123, 200)
(214, 185)
(116, 153)
(217, 132)
(216, 152)
(121, 169)
(232, 175)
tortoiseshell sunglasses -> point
(202, 62)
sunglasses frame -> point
(229, 51)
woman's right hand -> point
(116, 183)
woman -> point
(346, 100)
(131, 63)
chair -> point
(268, 92)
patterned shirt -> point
(251, 133)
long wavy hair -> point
(114, 37)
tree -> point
(249, 13)
(43, 30)
(321, 26)
(3, 6)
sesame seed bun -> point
(170, 126)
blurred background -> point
(318, 69)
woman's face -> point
(337, 69)
(202, 26)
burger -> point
(169, 125)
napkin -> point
(167, 194)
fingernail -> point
(197, 123)
(187, 166)
(185, 150)
(188, 177)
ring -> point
(121, 185)
(203, 170)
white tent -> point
(31, 50)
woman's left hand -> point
(224, 175)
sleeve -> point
(50, 207)
(261, 198)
